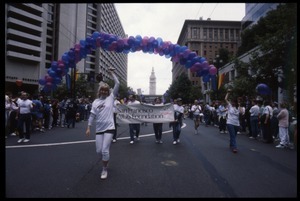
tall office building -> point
(152, 83)
(206, 38)
(255, 11)
(39, 33)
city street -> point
(62, 163)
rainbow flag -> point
(220, 80)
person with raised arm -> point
(102, 113)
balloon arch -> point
(110, 42)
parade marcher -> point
(103, 114)
(233, 122)
(196, 110)
(178, 117)
(116, 102)
(157, 127)
(134, 129)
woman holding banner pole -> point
(178, 116)
(157, 127)
(134, 128)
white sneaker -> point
(160, 142)
(196, 132)
(178, 140)
(13, 134)
(175, 142)
(222, 132)
(114, 140)
(104, 174)
(26, 140)
(131, 142)
(138, 138)
(21, 140)
(280, 146)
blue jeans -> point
(232, 129)
(176, 130)
(134, 129)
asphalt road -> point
(62, 163)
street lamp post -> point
(217, 62)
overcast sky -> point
(164, 20)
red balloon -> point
(19, 83)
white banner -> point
(145, 113)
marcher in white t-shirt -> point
(103, 114)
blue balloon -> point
(206, 78)
(95, 35)
(263, 89)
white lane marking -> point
(78, 142)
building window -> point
(210, 34)
(195, 32)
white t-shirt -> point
(25, 106)
(116, 102)
(178, 109)
(233, 116)
(196, 109)
(103, 111)
(268, 110)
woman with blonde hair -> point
(103, 114)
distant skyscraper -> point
(139, 91)
(152, 90)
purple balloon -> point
(213, 70)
